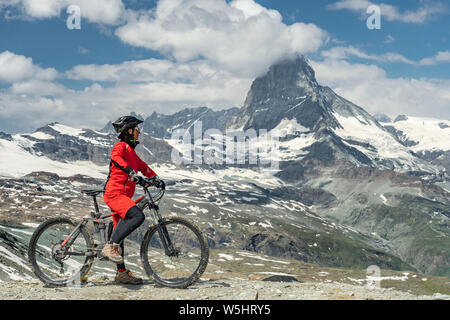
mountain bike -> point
(174, 251)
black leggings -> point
(133, 219)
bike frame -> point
(100, 226)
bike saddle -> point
(92, 192)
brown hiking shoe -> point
(126, 277)
(113, 252)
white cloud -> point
(99, 11)
(15, 67)
(342, 53)
(147, 70)
(37, 88)
(369, 87)
(241, 36)
(42, 8)
(425, 12)
(440, 57)
(355, 5)
(252, 9)
(173, 81)
(102, 11)
(38, 103)
(395, 57)
(346, 52)
(337, 73)
(143, 86)
(26, 112)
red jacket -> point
(119, 182)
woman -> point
(120, 188)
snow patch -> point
(41, 135)
(228, 257)
(276, 273)
(250, 255)
(289, 126)
(16, 162)
(66, 130)
(428, 132)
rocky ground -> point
(242, 275)
(207, 289)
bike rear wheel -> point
(58, 267)
(186, 261)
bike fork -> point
(165, 239)
(162, 230)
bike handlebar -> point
(144, 182)
(154, 182)
(149, 182)
(157, 183)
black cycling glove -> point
(141, 181)
(159, 183)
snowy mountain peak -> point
(332, 128)
(289, 90)
(285, 81)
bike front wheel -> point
(56, 263)
(183, 259)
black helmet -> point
(125, 123)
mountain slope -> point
(335, 128)
(66, 151)
(331, 144)
(162, 126)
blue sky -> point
(150, 55)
